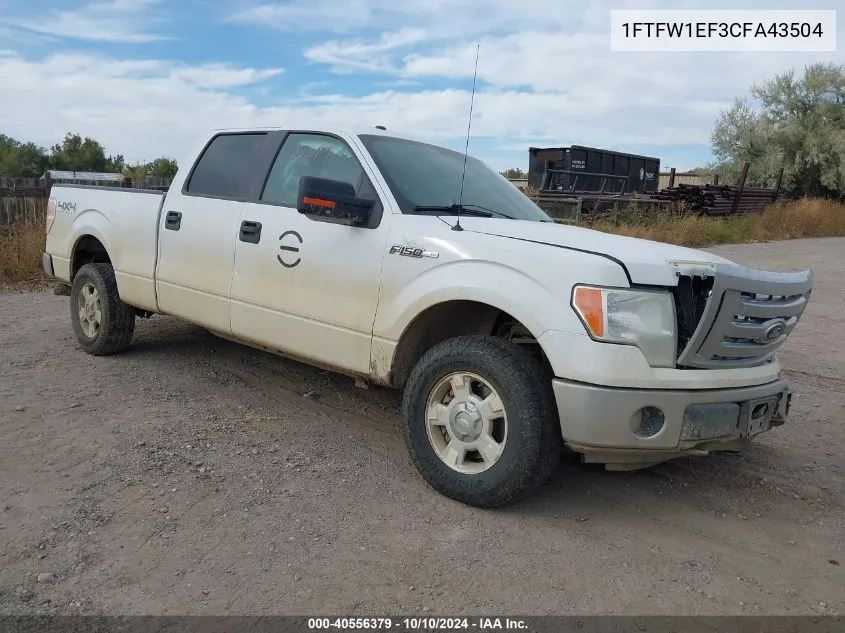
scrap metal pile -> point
(718, 199)
(709, 199)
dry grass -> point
(20, 249)
(809, 217)
(20, 255)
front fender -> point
(498, 285)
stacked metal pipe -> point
(719, 199)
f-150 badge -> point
(410, 251)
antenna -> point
(458, 226)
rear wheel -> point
(102, 323)
(480, 422)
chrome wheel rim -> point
(90, 310)
(466, 423)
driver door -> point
(302, 285)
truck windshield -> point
(423, 176)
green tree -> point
(163, 168)
(797, 123)
(32, 161)
(701, 171)
(83, 154)
(514, 173)
(78, 154)
(23, 160)
(159, 168)
(115, 164)
(136, 172)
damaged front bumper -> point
(634, 428)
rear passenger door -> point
(199, 227)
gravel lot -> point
(192, 475)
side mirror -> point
(321, 197)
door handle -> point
(173, 221)
(250, 231)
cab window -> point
(315, 155)
(227, 166)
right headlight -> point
(644, 318)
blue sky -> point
(146, 77)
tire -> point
(108, 326)
(528, 450)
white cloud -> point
(221, 75)
(530, 46)
(140, 108)
(546, 77)
(146, 108)
(111, 21)
(351, 55)
(442, 19)
(583, 65)
(315, 15)
(122, 5)
(18, 36)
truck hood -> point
(645, 261)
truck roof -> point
(353, 130)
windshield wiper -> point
(461, 209)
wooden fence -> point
(674, 178)
(13, 182)
(22, 200)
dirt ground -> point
(190, 475)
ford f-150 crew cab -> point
(392, 261)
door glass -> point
(226, 167)
(310, 155)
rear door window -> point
(226, 168)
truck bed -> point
(124, 221)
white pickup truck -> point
(378, 256)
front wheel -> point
(102, 323)
(480, 422)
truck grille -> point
(738, 317)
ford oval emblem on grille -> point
(772, 333)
